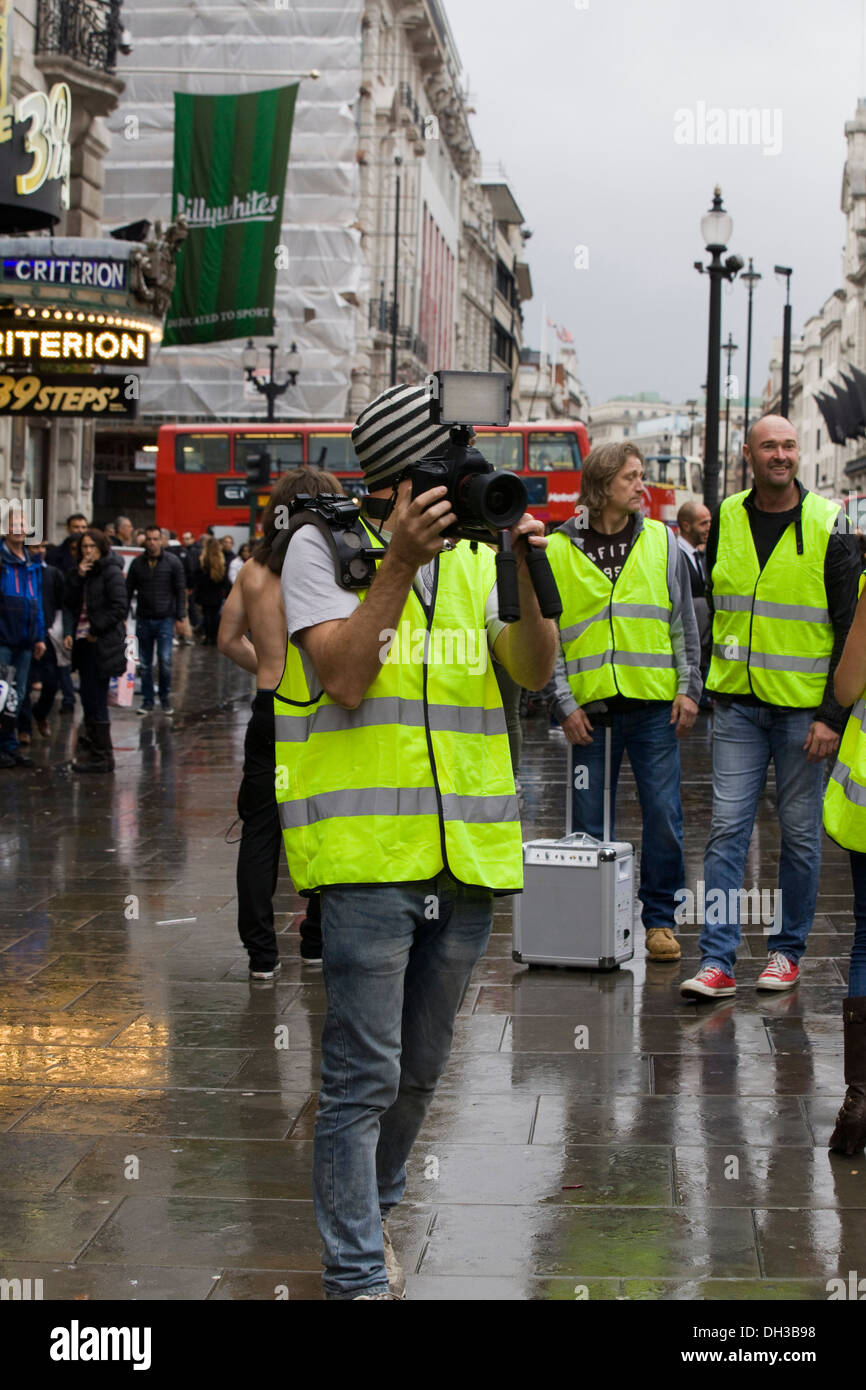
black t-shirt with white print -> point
(609, 553)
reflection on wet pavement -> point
(156, 1143)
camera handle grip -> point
(543, 582)
(507, 587)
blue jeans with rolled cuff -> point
(397, 959)
(745, 739)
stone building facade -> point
(833, 339)
(73, 42)
(456, 242)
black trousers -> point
(262, 842)
(92, 688)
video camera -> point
(487, 502)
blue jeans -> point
(650, 740)
(857, 973)
(397, 959)
(161, 631)
(20, 658)
(745, 739)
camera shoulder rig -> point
(337, 518)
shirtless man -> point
(255, 605)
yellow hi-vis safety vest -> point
(616, 636)
(772, 635)
(845, 801)
(418, 777)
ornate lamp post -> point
(716, 230)
(270, 387)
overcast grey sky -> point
(577, 99)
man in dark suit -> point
(693, 520)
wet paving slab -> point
(157, 1108)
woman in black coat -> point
(94, 622)
(210, 587)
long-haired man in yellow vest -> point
(397, 802)
(630, 660)
(845, 820)
(782, 588)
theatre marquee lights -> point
(38, 341)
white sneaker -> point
(396, 1277)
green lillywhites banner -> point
(230, 157)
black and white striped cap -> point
(393, 431)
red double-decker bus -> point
(201, 469)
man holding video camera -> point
(397, 801)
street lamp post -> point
(751, 278)
(716, 229)
(787, 271)
(394, 308)
(730, 348)
(271, 388)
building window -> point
(820, 367)
(502, 344)
(818, 445)
(625, 432)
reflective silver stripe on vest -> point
(391, 710)
(765, 661)
(851, 790)
(568, 634)
(788, 612)
(641, 610)
(620, 610)
(594, 663)
(803, 665)
(397, 801)
(859, 711)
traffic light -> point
(258, 471)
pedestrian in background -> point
(22, 627)
(782, 589)
(46, 671)
(123, 531)
(845, 820)
(693, 522)
(210, 588)
(95, 608)
(157, 580)
(255, 605)
(630, 661)
(65, 557)
(239, 561)
(228, 548)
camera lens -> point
(497, 500)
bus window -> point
(201, 453)
(550, 449)
(501, 450)
(286, 450)
(536, 491)
(333, 452)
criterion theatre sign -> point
(32, 341)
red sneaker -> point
(778, 973)
(711, 982)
